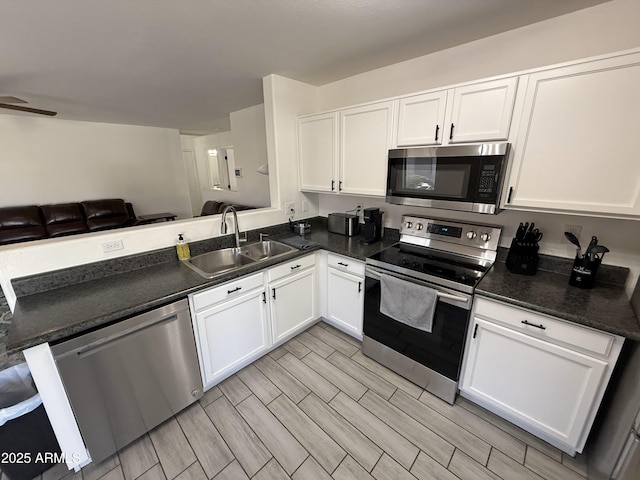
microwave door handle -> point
(373, 273)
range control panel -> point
(467, 234)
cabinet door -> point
(231, 335)
(318, 152)
(345, 301)
(293, 303)
(421, 119)
(539, 385)
(365, 140)
(482, 111)
(576, 148)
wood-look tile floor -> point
(317, 408)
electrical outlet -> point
(575, 229)
(305, 206)
(290, 208)
(112, 246)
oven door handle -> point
(375, 273)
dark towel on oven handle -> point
(407, 302)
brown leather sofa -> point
(32, 222)
(213, 207)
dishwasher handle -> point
(110, 340)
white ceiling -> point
(186, 64)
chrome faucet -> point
(263, 236)
(223, 225)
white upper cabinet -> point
(473, 113)
(365, 139)
(482, 112)
(421, 119)
(318, 152)
(346, 151)
(575, 150)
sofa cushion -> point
(64, 219)
(19, 224)
(210, 207)
(105, 214)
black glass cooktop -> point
(433, 262)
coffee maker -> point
(372, 228)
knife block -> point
(522, 258)
(583, 272)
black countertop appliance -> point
(372, 228)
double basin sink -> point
(217, 262)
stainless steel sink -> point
(217, 262)
(265, 249)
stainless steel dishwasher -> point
(127, 378)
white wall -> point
(248, 138)
(250, 151)
(284, 100)
(45, 160)
(605, 28)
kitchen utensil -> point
(520, 232)
(594, 251)
(573, 239)
(593, 242)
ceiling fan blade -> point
(12, 100)
(27, 109)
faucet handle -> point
(263, 236)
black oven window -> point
(432, 178)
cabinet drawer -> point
(345, 264)
(227, 291)
(288, 268)
(555, 330)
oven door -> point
(431, 360)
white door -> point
(293, 303)
(318, 152)
(345, 297)
(193, 181)
(482, 112)
(421, 119)
(576, 148)
(542, 385)
(232, 334)
(366, 136)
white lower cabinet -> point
(232, 332)
(345, 294)
(541, 373)
(293, 297)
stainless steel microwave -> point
(467, 178)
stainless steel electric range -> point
(449, 257)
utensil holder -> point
(583, 272)
(522, 258)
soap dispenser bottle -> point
(182, 247)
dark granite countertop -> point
(605, 307)
(54, 314)
(142, 282)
